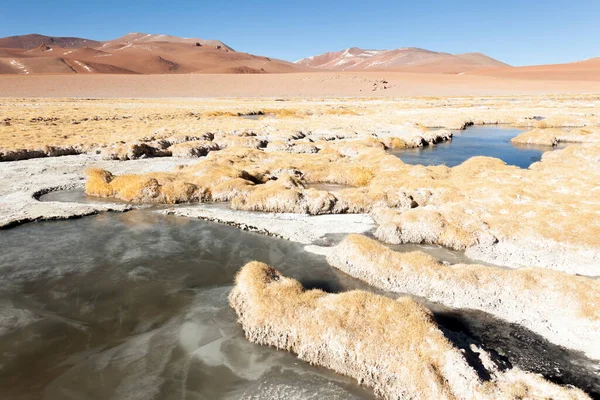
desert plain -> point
(310, 158)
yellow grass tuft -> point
(98, 183)
(394, 347)
(285, 112)
(218, 113)
(548, 302)
(341, 111)
(394, 143)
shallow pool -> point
(488, 140)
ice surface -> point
(134, 306)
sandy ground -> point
(317, 84)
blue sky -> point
(517, 32)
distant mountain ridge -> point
(137, 37)
(143, 53)
(133, 53)
(406, 58)
(34, 40)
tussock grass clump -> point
(371, 141)
(394, 143)
(134, 151)
(394, 347)
(364, 200)
(341, 111)
(240, 141)
(543, 137)
(98, 183)
(143, 188)
(291, 147)
(285, 112)
(553, 136)
(424, 225)
(286, 194)
(341, 174)
(31, 124)
(556, 305)
(559, 121)
(254, 179)
(220, 113)
(475, 205)
(232, 188)
(199, 148)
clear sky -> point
(519, 32)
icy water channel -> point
(487, 140)
(134, 306)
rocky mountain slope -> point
(134, 53)
(408, 58)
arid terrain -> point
(297, 85)
(412, 71)
(475, 279)
(407, 59)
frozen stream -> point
(134, 306)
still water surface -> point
(489, 141)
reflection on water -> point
(489, 141)
(135, 306)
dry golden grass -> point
(394, 143)
(286, 112)
(394, 347)
(545, 137)
(88, 124)
(548, 302)
(478, 202)
(221, 114)
(461, 205)
(240, 141)
(160, 188)
(341, 111)
(579, 294)
(268, 185)
(421, 225)
(197, 148)
(99, 183)
(554, 136)
(371, 141)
